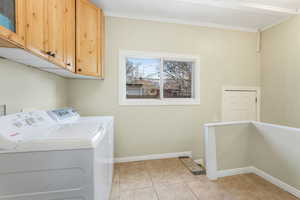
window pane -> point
(142, 78)
(7, 14)
(178, 79)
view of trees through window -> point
(178, 79)
(143, 78)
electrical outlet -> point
(2, 110)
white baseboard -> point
(232, 172)
(152, 157)
(294, 191)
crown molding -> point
(253, 7)
(275, 24)
(184, 22)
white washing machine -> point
(55, 155)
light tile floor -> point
(168, 179)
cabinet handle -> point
(79, 70)
(48, 53)
(68, 64)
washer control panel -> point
(14, 128)
(25, 120)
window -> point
(178, 76)
(158, 79)
(142, 78)
(7, 14)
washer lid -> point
(50, 130)
(62, 137)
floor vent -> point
(193, 167)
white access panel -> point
(239, 105)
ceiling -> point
(246, 15)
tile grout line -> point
(154, 189)
(118, 184)
(190, 189)
(135, 189)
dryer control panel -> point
(65, 115)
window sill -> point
(153, 102)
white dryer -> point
(55, 155)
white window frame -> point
(195, 100)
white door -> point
(239, 105)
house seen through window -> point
(143, 78)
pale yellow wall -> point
(25, 87)
(227, 58)
(280, 63)
(233, 147)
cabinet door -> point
(102, 44)
(88, 48)
(36, 27)
(12, 21)
(55, 30)
(69, 38)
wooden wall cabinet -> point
(89, 41)
(61, 36)
(12, 23)
(50, 30)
